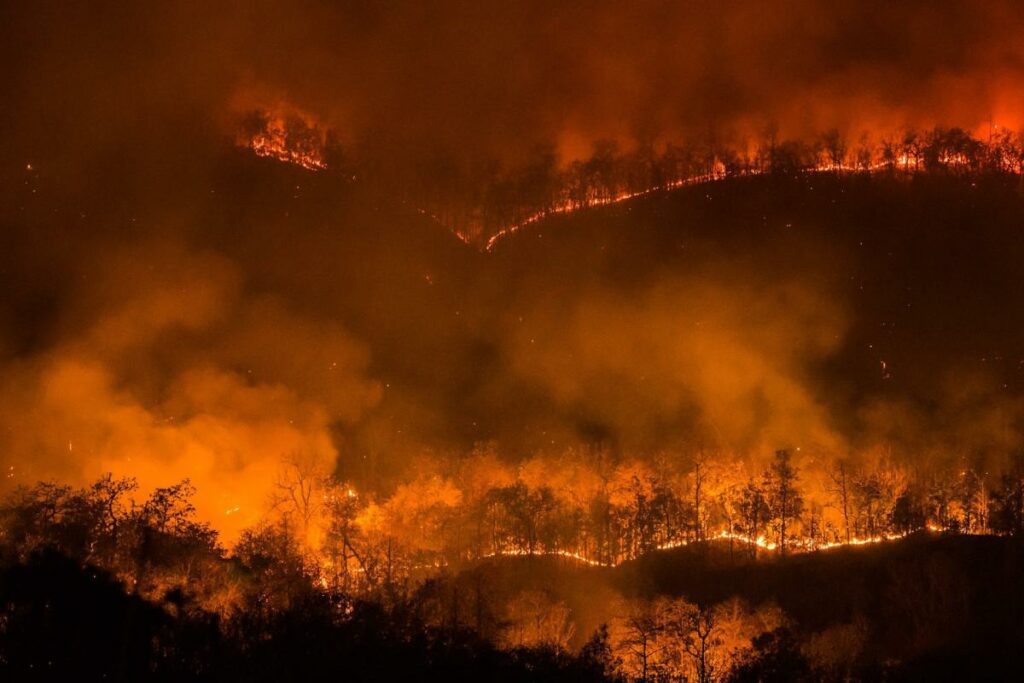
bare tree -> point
(640, 632)
(695, 628)
(298, 490)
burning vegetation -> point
(503, 203)
(290, 138)
(721, 380)
(420, 552)
(292, 512)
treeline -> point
(480, 199)
(94, 586)
(584, 505)
(102, 580)
(98, 583)
(480, 202)
(603, 512)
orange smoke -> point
(182, 376)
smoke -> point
(167, 369)
(174, 308)
(700, 360)
(471, 82)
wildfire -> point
(525, 552)
(718, 172)
(798, 545)
(292, 139)
(296, 139)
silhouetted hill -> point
(921, 274)
(926, 602)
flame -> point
(291, 139)
(797, 545)
(297, 139)
(717, 173)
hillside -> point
(924, 604)
(912, 282)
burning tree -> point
(291, 138)
(784, 501)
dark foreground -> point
(927, 608)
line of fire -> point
(661, 342)
(506, 202)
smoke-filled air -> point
(667, 341)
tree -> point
(841, 489)
(867, 496)
(1008, 500)
(785, 504)
(776, 656)
(941, 495)
(908, 513)
(166, 544)
(911, 150)
(601, 169)
(890, 154)
(344, 538)
(835, 148)
(537, 183)
(168, 509)
(639, 631)
(972, 501)
(298, 490)
(33, 518)
(864, 154)
(953, 149)
(699, 478)
(699, 636)
(535, 619)
(109, 499)
(637, 493)
(834, 652)
(789, 157)
(279, 573)
(513, 519)
(597, 657)
(753, 512)
(641, 168)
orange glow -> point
(294, 140)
